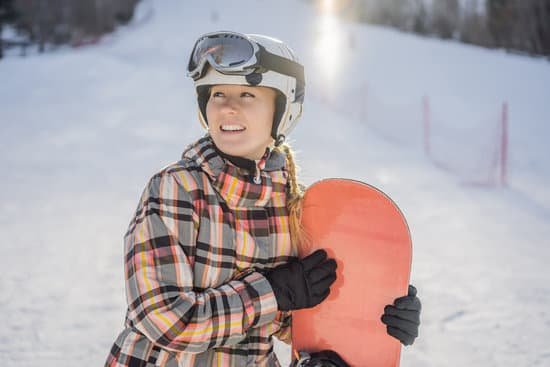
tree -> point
(521, 25)
(500, 21)
(473, 25)
(420, 21)
(445, 18)
(537, 16)
(8, 15)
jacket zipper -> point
(257, 173)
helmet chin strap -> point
(278, 141)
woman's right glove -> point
(403, 317)
(302, 283)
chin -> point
(240, 150)
(233, 150)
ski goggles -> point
(236, 54)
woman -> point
(211, 268)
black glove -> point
(324, 358)
(302, 283)
(403, 317)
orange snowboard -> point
(366, 233)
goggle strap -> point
(281, 65)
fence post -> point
(426, 119)
(504, 146)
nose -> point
(229, 105)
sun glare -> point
(327, 6)
(328, 45)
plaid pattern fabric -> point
(201, 231)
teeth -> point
(232, 128)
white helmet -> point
(250, 59)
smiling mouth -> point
(232, 128)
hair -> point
(294, 199)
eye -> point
(247, 94)
(217, 94)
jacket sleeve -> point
(162, 303)
(284, 333)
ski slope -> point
(82, 130)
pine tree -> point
(500, 21)
(8, 15)
(445, 18)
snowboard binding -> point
(325, 358)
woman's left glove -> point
(403, 317)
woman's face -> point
(240, 119)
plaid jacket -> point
(201, 230)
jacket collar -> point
(213, 161)
(233, 178)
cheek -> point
(209, 110)
(266, 113)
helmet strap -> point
(280, 140)
(281, 65)
(280, 107)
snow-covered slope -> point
(82, 130)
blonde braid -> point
(294, 198)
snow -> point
(81, 131)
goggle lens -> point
(227, 50)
